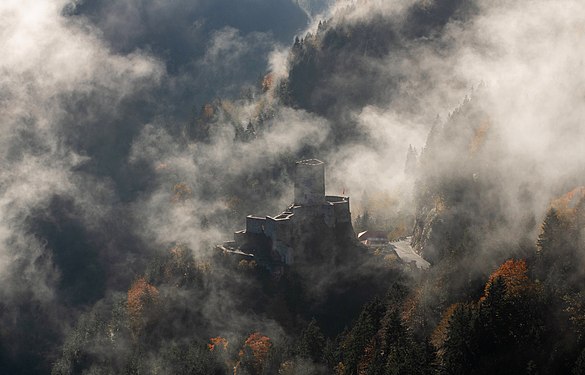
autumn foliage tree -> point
(142, 297)
(510, 313)
(253, 355)
(503, 331)
(514, 275)
(217, 343)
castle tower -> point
(309, 182)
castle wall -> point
(302, 212)
(309, 182)
(334, 210)
(255, 224)
(270, 229)
(285, 253)
(279, 230)
(328, 212)
(342, 213)
(240, 238)
(336, 198)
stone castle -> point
(272, 239)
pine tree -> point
(459, 352)
(360, 336)
(551, 229)
(250, 132)
(312, 342)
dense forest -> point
(510, 308)
(454, 125)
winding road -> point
(407, 254)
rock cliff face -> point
(455, 197)
(468, 201)
(424, 238)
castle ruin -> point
(273, 238)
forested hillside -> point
(137, 136)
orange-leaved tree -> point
(254, 354)
(503, 330)
(141, 297)
(440, 334)
(218, 343)
(513, 274)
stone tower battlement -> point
(309, 182)
(271, 240)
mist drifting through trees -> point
(138, 134)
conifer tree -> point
(551, 229)
(356, 341)
(459, 351)
(312, 342)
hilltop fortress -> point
(273, 240)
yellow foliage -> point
(340, 369)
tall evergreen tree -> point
(459, 352)
(312, 342)
(551, 231)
